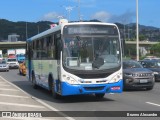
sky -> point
(122, 11)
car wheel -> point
(149, 88)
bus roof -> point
(56, 28)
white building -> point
(13, 38)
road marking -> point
(25, 105)
(8, 89)
(153, 104)
(17, 96)
(1, 82)
(38, 100)
(52, 108)
(1, 85)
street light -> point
(79, 13)
(69, 9)
(137, 30)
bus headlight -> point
(116, 78)
(69, 79)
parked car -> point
(154, 66)
(13, 63)
(135, 76)
(3, 65)
(22, 68)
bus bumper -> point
(68, 89)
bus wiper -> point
(98, 63)
(78, 38)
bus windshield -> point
(97, 48)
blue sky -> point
(123, 11)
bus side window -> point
(50, 47)
(58, 43)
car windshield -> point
(131, 64)
(20, 55)
(151, 64)
(12, 60)
(91, 52)
(3, 62)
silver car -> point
(135, 76)
(3, 65)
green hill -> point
(9, 27)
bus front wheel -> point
(54, 94)
(99, 95)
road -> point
(137, 100)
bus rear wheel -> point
(34, 82)
(99, 95)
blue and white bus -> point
(76, 58)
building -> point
(13, 38)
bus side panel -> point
(68, 89)
(48, 67)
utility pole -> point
(26, 31)
(137, 30)
(79, 13)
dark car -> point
(154, 66)
(135, 76)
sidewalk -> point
(15, 102)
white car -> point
(13, 63)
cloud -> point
(124, 18)
(102, 16)
(50, 16)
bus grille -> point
(94, 88)
(90, 76)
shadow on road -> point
(43, 94)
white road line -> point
(25, 105)
(8, 89)
(52, 108)
(153, 104)
(1, 82)
(1, 85)
(17, 96)
(38, 100)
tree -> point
(155, 49)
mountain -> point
(19, 28)
(8, 27)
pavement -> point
(18, 105)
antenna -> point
(69, 9)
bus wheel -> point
(34, 82)
(99, 95)
(54, 94)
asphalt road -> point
(135, 100)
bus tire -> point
(54, 94)
(34, 82)
(99, 95)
